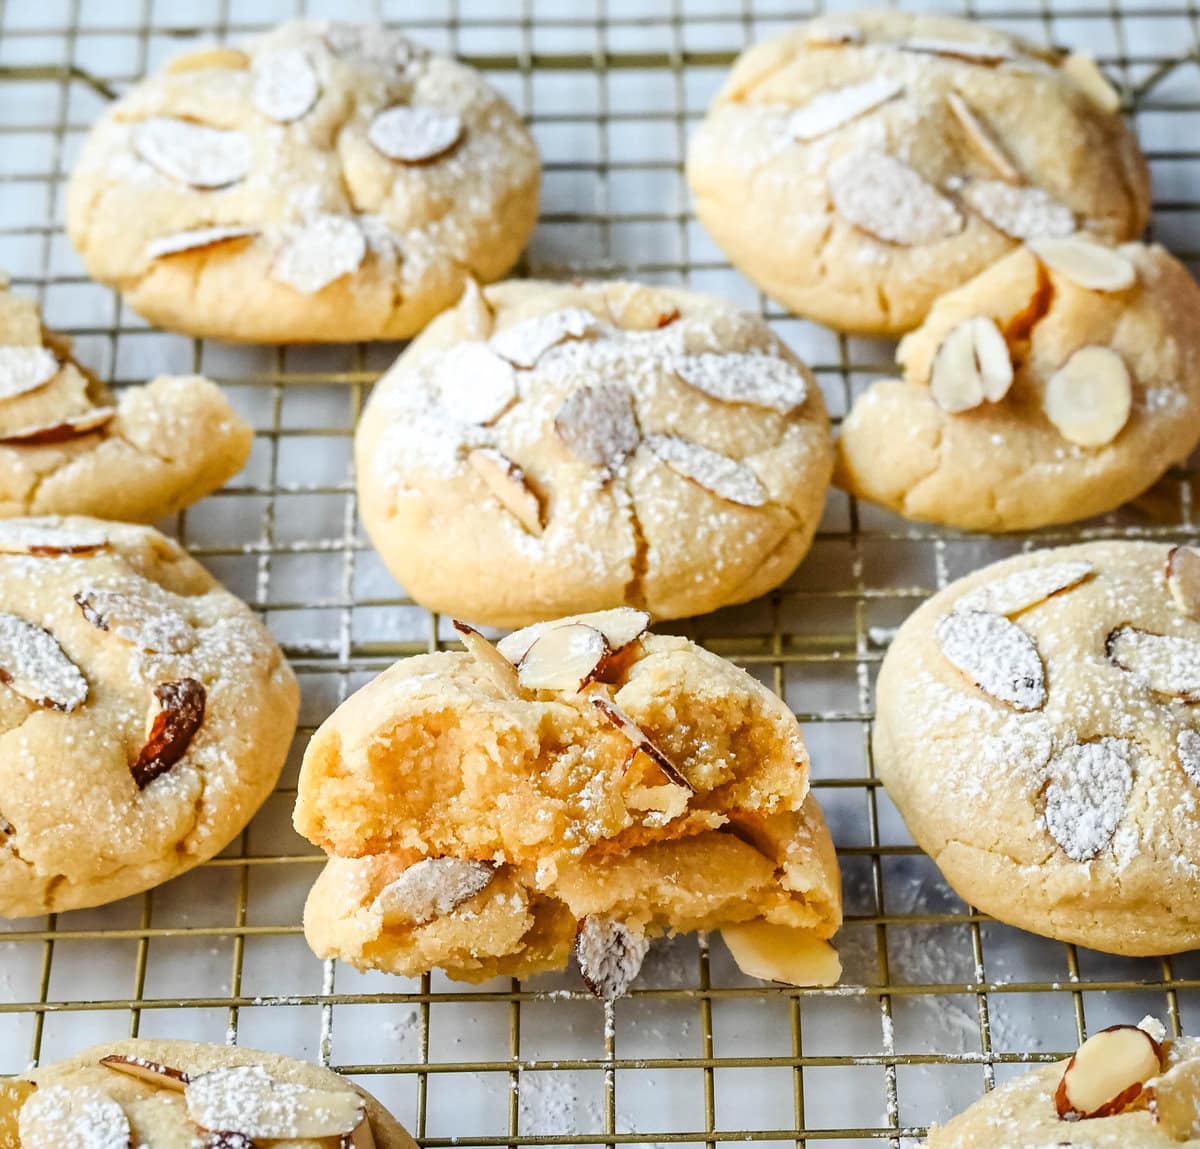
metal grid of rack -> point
(938, 1003)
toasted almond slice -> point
(563, 658)
(1183, 579)
(1107, 1072)
(1168, 664)
(825, 32)
(635, 307)
(58, 1116)
(195, 240)
(784, 954)
(955, 384)
(206, 58)
(13, 1094)
(172, 727)
(970, 51)
(146, 622)
(995, 654)
(34, 665)
(640, 740)
(414, 135)
(884, 197)
(1175, 1100)
(508, 483)
(831, 109)
(194, 154)
(1089, 397)
(499, 670)
(431, 888)
(1019, 212)
(1019, 591)
(24, 369)
(1086, 263)
(524, 343)
(597, 425)
(72, 427)
(1187, 746)
(285, 85)
(152, 1072)
(49, 537)
(610, 955)
(246, 1098)
(986, 146)
(320, 252)
(745, 377)
(474, 383)
(1088, 77)
(718, 474)
(620, 626)
(1088, 788)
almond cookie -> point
(1058, 384)
(1037, 729)
(552, 448)
(861, 166)
(145, 713)
(328, 182)
(69, 445)
(483, 807)
(157, 1094)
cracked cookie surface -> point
(145, 713)
(1037, 729)
(864, 164)
(328, 182)
(551, 448)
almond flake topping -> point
(431, 888)
(1085, 799)
(620, 626)
(972, 364)
(1020, 590)
(1183, 579)
(524, 343)
(1086, 74)
(48, 537)
(414, 135)
(1089, 398)
(1167, 664)
(72, 427)
(1187, 745)
(972, 51)
(995, 654)
(829, 110)
(172, 727)
(285, 85)
(24, 369)
(152, 1072)
(79, 1116)
(494, 665)
(597, 425)
(508, 484)
(565, 658)
(1107, 1073)
(194, 240)
(610, 955)
(1086, 263)
(321, 251)
(745, 377)
(826, 33)
(144, 621)
(1019, 212)
(885, 198)
(474, 383)
(641, 741)
(246, 1098)
(986, 146)
(720, 475)
(194, 154)
(35, 666)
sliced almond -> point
(1086, 263)
(635, 307)
(884, 197)
(620, 626)
(1088, 788)
(745, 377)
(954, 380)
(996, 655)
(563, 658)
(145, 622)
(985, 145)
(831, 109)
(474, 383)
(610, 955)
(640, 741)
(1176, 1100)
(1107, 1073)
(826, 32)
(173, 725)
(524, 343)
(508, 483)
(970, 51)
(1087, 76)
(58, 1116)
(285, 85)
(248, 1099)
(34, 665)
(194, 154)
(24, 369)
(1187, 746)
(432, 888)
(207, 58)
(320, 252)
(597, 424)
(993, 358)
(498, 669)
(1168, 664)
(195, 240)
(1089, 397)
(13, 1094)
(1183, 579)
(718, 474)
(1019, 212)
(152, 1072)
(1019, 591)
(784, 954)
(72, 427)
(47, 537)
(414, 135)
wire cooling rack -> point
(938, 1003)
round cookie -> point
(862, 165)
(546, 449)
(1037, 729)
(330, 182)
(159, 1094)
(145, 714)
(1030, 397)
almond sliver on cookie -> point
(563, 658)
(829, 110)
(195, 240)
(884, 197)
(744, 377)
(1183, 579)
(173, 725)
(1085, 263)
(1167, 663)
(1019, 212)
(24, 369)
(1088, 789)
(996, 655)
(36, 667)
(194, 154)
(640, 740)
(524, 343)
(783, 954)
(152, 1072)
(80, 1116)
(474, 383)
(1107, 1073)
(718, 474)
(71, 427)
(431, 888)
(972, 51)
(1089, 398)
(610, 955)
(285, 85)
(620, 626)
(985, 145)
(247, 1099)
(507, 482)
(47, 537)
(414, 135)
(150, 625)
(318, 253)
(1019, 591)
(596, 423)
(501, 672)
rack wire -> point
(938, 1002)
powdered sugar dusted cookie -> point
(550, 448)
(145, 713)
(858, 168)
(1058, 384)
(1037, 728)
(328, 182)
(69, 445)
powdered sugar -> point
(1167, 664)
(610, 956)
(473, 383)
(997, 655)
(887, 199)
(597, 424)
(745, 377)
(432, 887)
(81, 1117)
(24, 369)
(35, 666)
(1022, 589)
(247, 1099)
(317, 253)
(1087, 795)
(144, 619)
(830, 109)
(724, 477)
(1019, 212)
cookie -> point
(480, 805)
(547, 449)
(1037, 729)
(866, 163)
(145, 713)
(328, 182)
(1056, 385)
(159, 1094)
(1126, 1087)
(68, 445)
